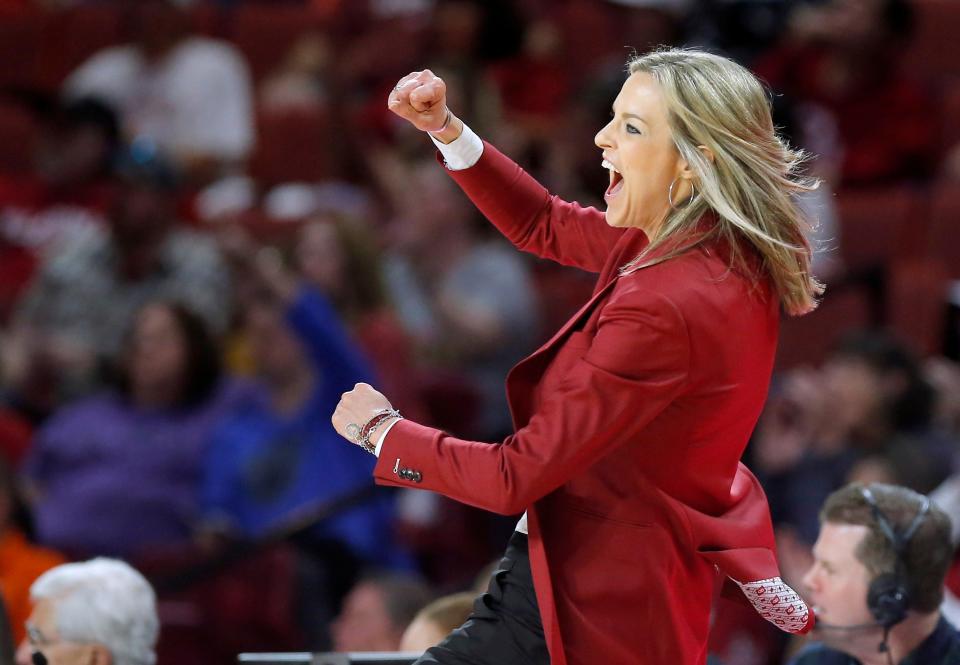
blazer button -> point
(404, 474)
(417, 477)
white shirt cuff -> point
(383, 435)
(461, 153)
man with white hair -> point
(98, 612)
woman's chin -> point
(614, 218)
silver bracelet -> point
(372, 425)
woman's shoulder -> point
(701, 282)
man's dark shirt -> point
(942, 647)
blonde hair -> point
(750, 183)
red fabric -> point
(630, 423)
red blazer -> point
(630, 423)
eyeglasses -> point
(37, 640)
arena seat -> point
(934, 48)
(18, 132)
(265, 33)
(806, 340)
(71, 36)
(292, 146)
(877, 224)
(20, 39)
(943, 239)
(916, 303)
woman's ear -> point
(708, 153)
(687, 173)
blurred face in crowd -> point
(364, 624)
(438, 211)
(157, 356)
(277, 353)
(73, 154)
(319, 256)
(640, 154)
(857, 392)
(141, 216)
(837, 582)
(46, 639)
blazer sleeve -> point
(635, 367)
(533, 219)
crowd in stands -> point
(211, 227)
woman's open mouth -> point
(616, 181)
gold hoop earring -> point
(673, 205)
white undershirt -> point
(459, 154)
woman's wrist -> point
(451, 130)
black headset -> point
(888, 597)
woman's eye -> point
(632, 130)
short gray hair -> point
(103, 601)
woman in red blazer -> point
(630, 422)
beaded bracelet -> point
(371, 426)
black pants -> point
(504, 627)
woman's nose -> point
(602, 139)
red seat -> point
(18, 134)
(71, 36)
(934, 47)
(951, 112)
(807, 340)
(590, 30)
(292, 146)
(879, 224)
(943, 240)
(265, 33)
(20, 33)
(916, 296)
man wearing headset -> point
(876, 582)
(97, 612)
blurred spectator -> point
(98, 611)
(376, 612)
(855, 556)
(118, 473)
(21, 562)
(302, 80)
(469, 303)
(437, 620)
(866, 413)
(844, 56)
(189, 94)
(276, 453)
(67, 191)
(337, 256)
(75, 313)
